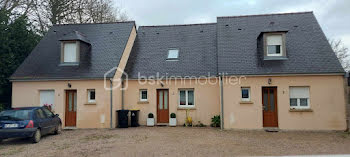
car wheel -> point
(37, 136)
(58, 129)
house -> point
(256, 71)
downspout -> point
(222, 104)
(122, 94)
(111, 107)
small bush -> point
(172, 115)
(215, 121)
(150, 115)
(200, 124)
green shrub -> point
(172, 115)
(215, 121)
(150, 115)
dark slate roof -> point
(75, 35)
(308, 50)
(197, 51)
(107, 40)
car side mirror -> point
(57, 115)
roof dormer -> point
(70, 48)
(274, 45)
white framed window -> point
(274, 44)
(143, 95)
(245, 94)
(91, 95)
(70, 52)
(186, 98)
(299, 97)
(173, 54)
(47, 97)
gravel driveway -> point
(178, 141)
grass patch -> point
(95, 137)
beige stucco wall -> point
(88, 115)
(206, 100)
(97, 115)
(326, 100)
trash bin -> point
(135, 118)
(123, 119)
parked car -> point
(28, 122)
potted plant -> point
(150, 119)
(172, 121)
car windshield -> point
(15, 115)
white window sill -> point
(300, 110)
(90, 103)
(246, 102)
(69, 64)
(143, 102)
(186, 108)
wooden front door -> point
(71, 108)
(269, 101)
(162, 106)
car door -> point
(42, 121)
(51, 120)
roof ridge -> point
(94, 23)
(174, 25)
(304, 12)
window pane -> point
(70, 52)
(144, 95)
(303, 102)
(190, 97)
(293, 101)
(165, 100)
(265, 97)
(245, 93)
(92, 95)
(75, 102)
(160, 99)
(47, 112)
(70, 101)
(173, 54)
(274, 49)
(272, 100)
(40, 114)
(182, 97)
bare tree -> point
(342, 53)
(45, 13)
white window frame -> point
(186, 97)
(281, 46)
(177, 56)
(89, 92)
(298, 98)
(245, 99)
(143, 90)
(46, 92)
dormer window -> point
(274, 46)
(70, 52)
(173, 54)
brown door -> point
(162, 106)
(71, 108)
(269, 100)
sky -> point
(333, 15)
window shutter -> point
(299, 92)
(274, 40)
(70, 52)
(47, 97)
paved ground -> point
(179, 141)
